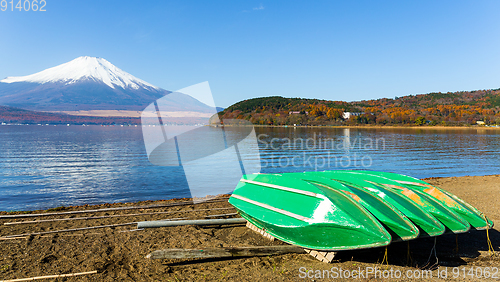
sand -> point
(118, 254)
(395, 126)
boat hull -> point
(348, 209)
(305, 215)
(453, 222)
(476, 219)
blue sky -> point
(335, 50)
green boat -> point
(350, 209)
(476, 218)
(399, 226)
(453, 222)
(427, 224)
(307, 215)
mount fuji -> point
(89, 84)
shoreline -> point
(163, 201)
(117, 251)
(145, 203)
(437, 127)
(425, 127)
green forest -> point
(462, 108)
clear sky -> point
(335, 50)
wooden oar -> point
(224, 252)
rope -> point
(385, 257)
(433, 250)
(409, 260)
(491, 250)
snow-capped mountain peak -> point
(85, 68)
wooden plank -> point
(51, 276)
(164, 223)
(260, 231)
(224, 252)
(186, 203)
(324, 256)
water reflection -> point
(416, 152)
(43, 167)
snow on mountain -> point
(82, 68)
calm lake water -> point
(50, 166)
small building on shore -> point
(348, 115)
(298, 112)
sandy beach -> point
(118, 253)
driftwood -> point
(51, 276)
(71, 235)
(109, 216)
(3, 239)
(324, 256)
(224, 252)
(164, 223)
(186, 203)
(130, 230)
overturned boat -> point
(351, 209)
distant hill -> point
(12, 115)
(457, 108)
(20, 116)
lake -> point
(50, 166)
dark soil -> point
(118, 253)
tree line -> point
(452, 108)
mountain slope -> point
(85, 68)
(88, 83)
